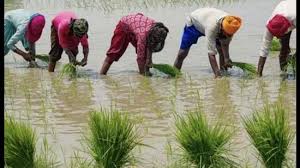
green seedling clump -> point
(270, 134)
(275, 46)
(42, 57)
(19, 144)
(250, 69)
(291, 63)
(203, 144)
(111, 139)
(69, 70)
(167, 69)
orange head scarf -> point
(231, 24)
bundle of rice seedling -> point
(271, 134)
(42, 57)
(291, 63)
(68, 69)
(203, 144)
(19, 144)
(167, 69)
(275, 45)
(111, 139)
(250, 69)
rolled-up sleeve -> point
(19, 35)
(211, 42)
(266, 43)
(141, 51)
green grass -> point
(275, 45)
(270, 133)
(43, 57)
(68, 70)
(19, 144)
(111, 139)
(203, 144)
(167, 69)
(249, 69)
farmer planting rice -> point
(219, 28)
(144, 33)
(25, 26)
(281, 24)
(67, 31)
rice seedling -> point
(46, 158)
(249, 69)
(167, 69)
(78, 162)
(19, 144)
(42, 57)
(204, 145)
(270, 133)
(68, 69)
(291, 63)
(111, 138)
(275, 45)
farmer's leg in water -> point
(56, 50)
(182, 53)
(190, 36)
(214, 65)
(285, 50)
(118, 46)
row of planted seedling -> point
(112, 137)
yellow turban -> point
(231, 24)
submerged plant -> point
(167, 69)
(19, 144)
(250, 69)
(111, 139)
(68, 69)
(275, 45)
(204, 144)
(271, 134)
(42, 57)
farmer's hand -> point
(228, 63)
(33, 64)
(28, 57)
(83, 62)
(148, 73)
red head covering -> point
(278, 25)
(35, 28)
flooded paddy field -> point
(59, 109)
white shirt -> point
(286, 8)
(206, 20)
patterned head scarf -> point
(80, 27)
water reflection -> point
(111, 5)
(12, 4)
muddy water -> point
(58, 109)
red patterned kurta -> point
(130, 29)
